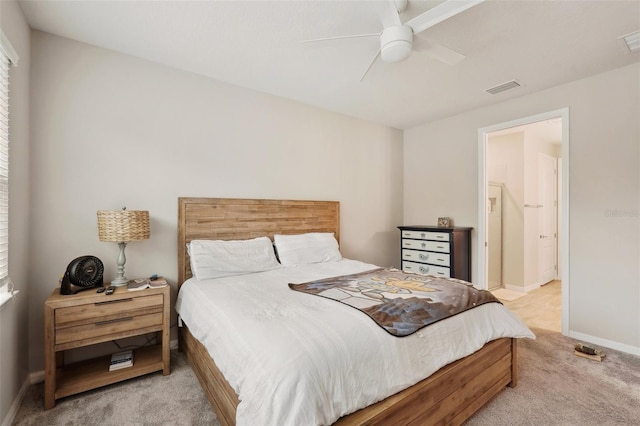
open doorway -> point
(522, 205)
(523, 208)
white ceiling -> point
(257, 44)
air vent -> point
(631, 41)
(503, 87)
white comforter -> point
(298, 359)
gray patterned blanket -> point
(399, 302)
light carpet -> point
(555, 388)
(154, 399)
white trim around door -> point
(482, 279)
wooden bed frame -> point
(449, 396)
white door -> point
(547, 218)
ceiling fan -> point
(397, 39)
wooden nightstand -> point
(88, 318)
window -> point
(8, 57)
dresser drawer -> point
(441, 259)
(426, 235)
(421, 268)
(107, 310)
(105, 330)
(425, 245)
(434, 250)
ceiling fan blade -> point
(370, 65)
(340, 37)
(440, 13)
(437, 51)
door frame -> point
(482, 274)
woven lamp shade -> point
(123, 225)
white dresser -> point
(431, 250)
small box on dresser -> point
(89, 318)
(439, 251)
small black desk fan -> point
(83, 273)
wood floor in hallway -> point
(541, 307)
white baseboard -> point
(522, 289)
(633, 350)
(36, 377)
(13, 410)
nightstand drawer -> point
(441, 259)
(421, 268)
(103, 330)
(426, 245)
(107, 310)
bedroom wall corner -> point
(604, 191)
(111, 130)
(14, 316)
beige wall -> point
(14, 348)
(110, 130)
(604, 192)
(505, 164)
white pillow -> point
(215, 258)
(315, 247)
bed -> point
(448, 396)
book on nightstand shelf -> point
(142, 283)
(121, 360)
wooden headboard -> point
(241, 219)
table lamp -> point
(123, 226)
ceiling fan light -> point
(396, 43)
(396, 51)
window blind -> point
(4, 167)
(4, 163)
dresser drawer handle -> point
(440, 247)
(107, 322)
(407, 255)
(113, 301)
